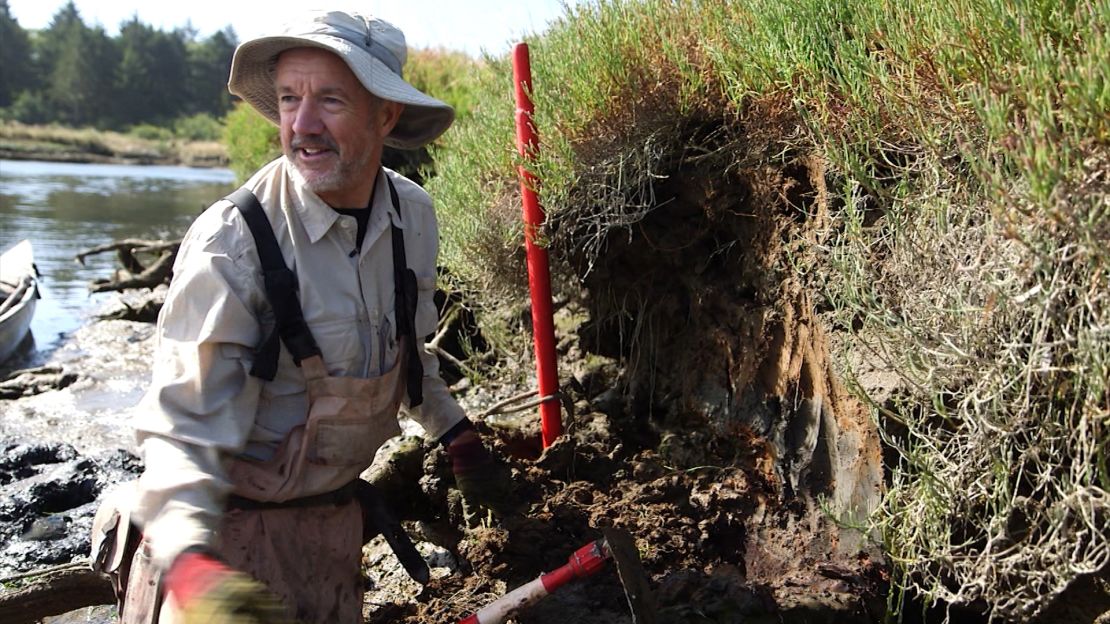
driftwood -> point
(30, 381)
(142, 307)
(135, 272)
(53, 591)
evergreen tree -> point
(152, 74)
(135, 76)
(16, 74)
(75, 74)
(209, 64)
(81, 62)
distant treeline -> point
(75, 74)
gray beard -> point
(333, 181)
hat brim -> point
(252, 78)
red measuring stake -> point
(539, 273)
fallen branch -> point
(135, 273)
(441, 352)
(158, 273)
(127, 248)
(53, 591)
(31, 381)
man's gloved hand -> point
(207, 591)
(484, 481)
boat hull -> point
(16, 323)
(17, 275)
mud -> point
(64, 445)
(708, 422)
(110, 363)
(48, 495)
(689, 524)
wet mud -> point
(690, 526)
(63, 445)
(48, 495)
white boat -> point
(18, 293)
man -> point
(250, 441)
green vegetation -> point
(958, 238)
(447, 74)
(73, 74)
(251, 140)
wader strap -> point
(405, 294)
(281, 292)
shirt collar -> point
(318, 217)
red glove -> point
(193, 574)
(483, 480)
(206, 590)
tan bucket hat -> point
(375, 51)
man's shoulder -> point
(217, 228)
(409, 192)
(221, 225)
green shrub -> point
(149, 132)
(199, 127)
(251, 140)
(448, 75)
(30, 107)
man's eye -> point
(287, 99)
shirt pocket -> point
(339, 345)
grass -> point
(89, 145)
(968, 152)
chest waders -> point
(294, 522)
(348, 417)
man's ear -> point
(390, 115)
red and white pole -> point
(539, 274)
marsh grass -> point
(90, 145)
(968, 163)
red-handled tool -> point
(586, 561)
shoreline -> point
(90, 158)
(86, 145)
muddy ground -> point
(708, 424)
(690, 507)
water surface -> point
(66, 208)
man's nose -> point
(307, 119)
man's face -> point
(331, 127)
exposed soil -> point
(708, 422)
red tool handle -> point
(585, 561)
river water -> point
(65, 208)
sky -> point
(472, 26)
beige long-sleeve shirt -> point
(204, 408)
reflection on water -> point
(66, 208)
